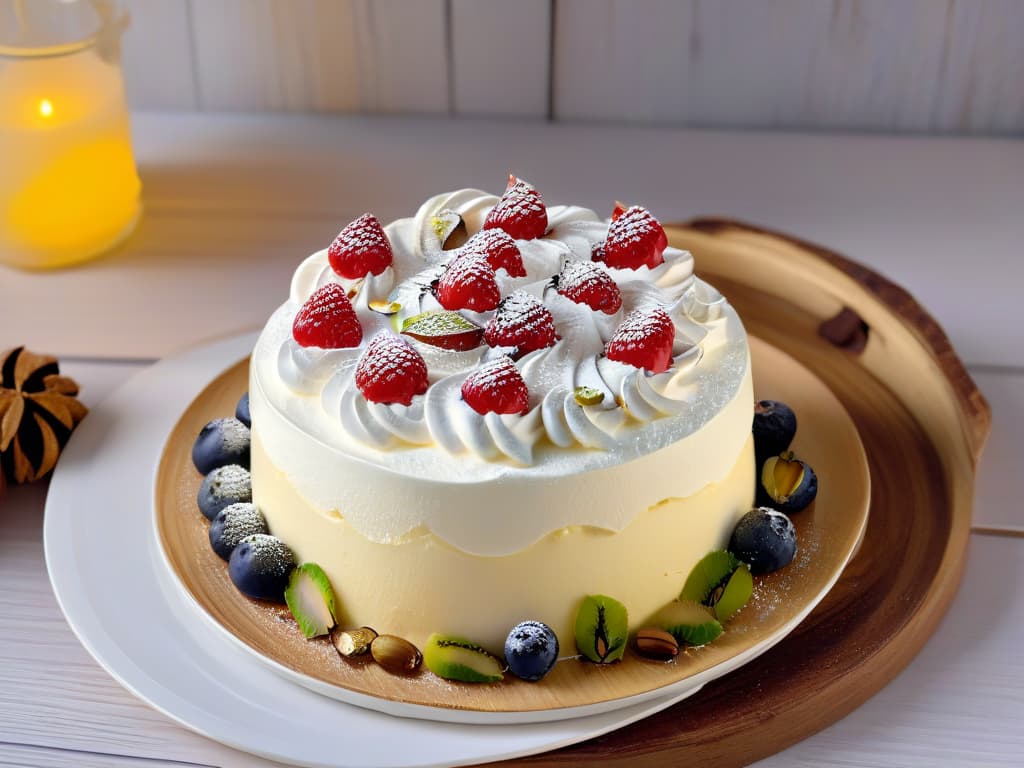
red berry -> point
(520, 212)
(586, 283)
(390, 370)
(496, 387)
(635, 239)
(327, 320)
(361, 248)
(644, 340)
(522, 322)
(500, 250)
(468, 283)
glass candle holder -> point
(69, 189)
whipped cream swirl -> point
(631, 396)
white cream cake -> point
(527, 467)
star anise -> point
(38, 412)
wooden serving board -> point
(923, 423)
(827, 534)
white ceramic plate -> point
(111, 583)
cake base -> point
(423, 585)
(828, 533)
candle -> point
(68, 185)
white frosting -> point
(437, 464)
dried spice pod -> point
(38, 412)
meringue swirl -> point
(709, 348)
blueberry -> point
(259, 567)
(774, 428)
(531, 650)
(242, 410)
(220, 442)
(764, 539)
(232, 524)
(225, 485)
(788, 484)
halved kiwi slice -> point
(602, 628)
(455, 658)
(688, 622)
(721, 582)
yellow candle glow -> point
(68, 186)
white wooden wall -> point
(942, 66)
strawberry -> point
(361, 248)
(635, 239)
(327, 320)
(390, 370)
(522, 322)
(520, 212)
(499, 249)
(468, 283)
(496, 387)
(586, 283)
(643, 340)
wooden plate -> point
(923, 423)
(828, 535)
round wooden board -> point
(923, 424)
(828, 534)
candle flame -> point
(45, 108)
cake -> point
(567, 413)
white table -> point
(233, 202)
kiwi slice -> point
(310, 598)
(721, 582)
(455, 658)
(688, 622)
(602, 627)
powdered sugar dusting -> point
(238, 521)
(521, 321)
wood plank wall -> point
(938, 66)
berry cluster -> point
(390, 370)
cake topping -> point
(456, 658)
(555, 321)
(531, 650)
(221, 442)
(644, 340)
(635, 239)
(327, 320)
(496, 387)
(521, 322)
(225, 485)
(602, 627)
(232, 524)
(500, 250)
(520, 212)
(444, 329)
(390, 370)
(259, 567)
(311, 600)
(587, 283)
(468, 283)
(360, 249)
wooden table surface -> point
(232, 204)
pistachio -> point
(655, 643)
(353, 289)
(395, 654)
(449, 228)
(352, 642)
(588, 395)
(385, 306)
